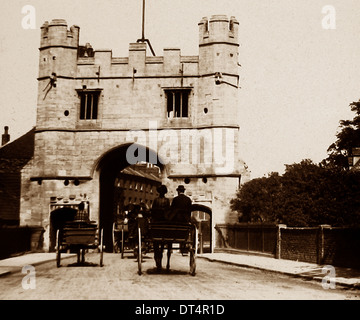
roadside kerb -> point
(287, 267)
(15, 264)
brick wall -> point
(299, 244)
(342, 246)
(322, 245)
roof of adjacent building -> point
(15, 154)
(139, 172)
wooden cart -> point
(184, 234)
(124, 231)
(120, 233)
(79, 235)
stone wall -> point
(200, 150)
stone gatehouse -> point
(97, 114)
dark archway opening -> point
(203, 215)
(58, 218)
(109, 167)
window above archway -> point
(177, 102)
(89, 103)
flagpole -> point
(143, 30)
(143, 21)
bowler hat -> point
(180, 188)
(162, 189)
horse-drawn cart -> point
(120, 236)
(167, 234)
(79, 235)
(124, 231)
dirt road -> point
(118, 279)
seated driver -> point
(180, 209)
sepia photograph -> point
(179, 157)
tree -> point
(314, 195)
(347, 138)
(306, 195)
(299, 192)
(309, 194)
(257, 199)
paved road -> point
(118, 279)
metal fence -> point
(250, 237)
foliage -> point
(347, 138)
(308, 194)
(305, 195)
(256, 200)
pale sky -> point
(297, 78)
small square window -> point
(89, 102)
(177, 101)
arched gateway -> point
(108, 167)
(96, 114)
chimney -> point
(5, 137)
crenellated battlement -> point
(218, 39)
(137, 63)
(218, 29)
(74, 67)
(56, 33)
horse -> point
(158, 253)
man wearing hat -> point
(181, 206)
(159, 213)
(161, 205)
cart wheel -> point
(116, 248)
(122, 242)
(57, 248)
(113, 239)
(139, 257)
(193, 251)
(101, 247)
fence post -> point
(200, 238)
(321, 243)
(248, 237)
(278, 240)
(262, 238)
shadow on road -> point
(83, 264)
(167, 272)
